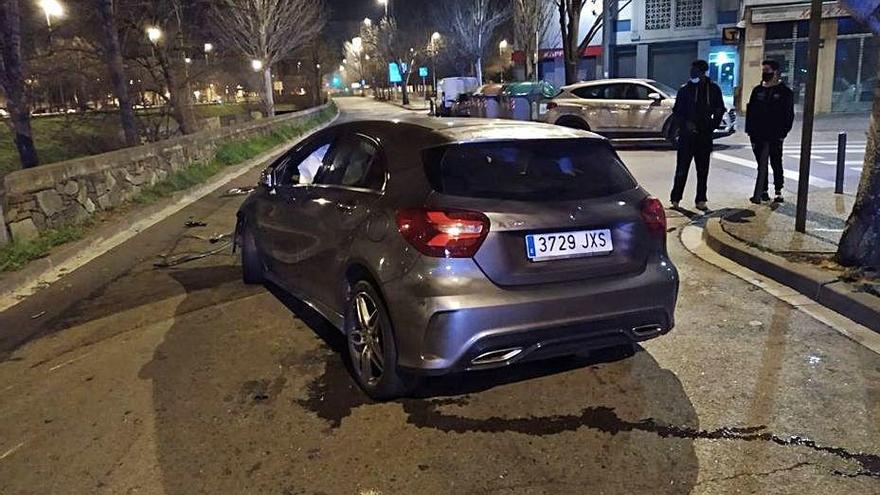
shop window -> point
(658, 14)
(848, 25)
(688, 13)
(855, 73)
(780, 30)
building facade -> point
(848, 53)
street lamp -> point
(209, 47)
(52, 8)
(385, 3)
(435, 38)
(154, 34)
(501, 47)
(257, 65)
(187, 60)
(367, 22)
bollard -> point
(841, 161)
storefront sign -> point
(730, 35)
(795, 12)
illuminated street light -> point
(256, 65)
(367, 22)
(187, 60)
(154, 34)
(52, 8)
(209, 47)
(385, 3)
(503, 45)
(435, 37)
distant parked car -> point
(446, 245)
(526, 100)
(622, 108)
(448, 90)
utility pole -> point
(800, 223)
(609, 35)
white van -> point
(448, 90)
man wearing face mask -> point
(698, 110)
(769, 116)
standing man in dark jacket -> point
(769, 116)
(698, 110)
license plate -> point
(542, 247)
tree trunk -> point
(860, 244)
(12, 81)
(479, 69)
(268, 92)
(404, 93)
(113, 58)
(181, 109)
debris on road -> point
(214, 239)
(167, 261)
(41, 313)
(239, 191)
(194, 223)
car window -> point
(539, 170)
(299, 166)
(616, 92)
(596, 92)
(354, 163)
(636, 92)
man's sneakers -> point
(675, 204)
(779, 198)
(765, 198)
(701, 205)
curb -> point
(400, 105)
(20, 284)
(814, 283)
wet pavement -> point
(179, 380)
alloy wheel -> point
(365, 339)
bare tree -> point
(471, 24)
(570, 12)
(531, 18)
(860, 244)
(12, 82)
(113, 57)
(397, 47)
(268, 31)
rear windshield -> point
(540, 170)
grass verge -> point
(16, 254)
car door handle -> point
(346, 207)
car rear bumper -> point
(448, 317)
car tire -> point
(252, 269)
(573, 123)
(372, 351)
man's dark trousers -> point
(696, 148)
(768, 150)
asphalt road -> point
(181, 380)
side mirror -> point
(655, 96)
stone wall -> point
(67, 192)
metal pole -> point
(841, 157)
(609, 33)
(800, 223)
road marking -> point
(812, 156)
(11, 451)
(692, 239)
(846, 162)
(789, 174)
(857, 169)
(65, 363)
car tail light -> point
(654, 216)
(443, 233)
(551, 105)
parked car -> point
(526, 100)
(464, 106)
(439, 246)
(622, 108)
(448, 90)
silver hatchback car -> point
(445, 245)
(622, 109)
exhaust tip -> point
(497, 356)
(647, 330)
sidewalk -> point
(763, 239)
(416, 103)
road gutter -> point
(23, 283)
(692, 237)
